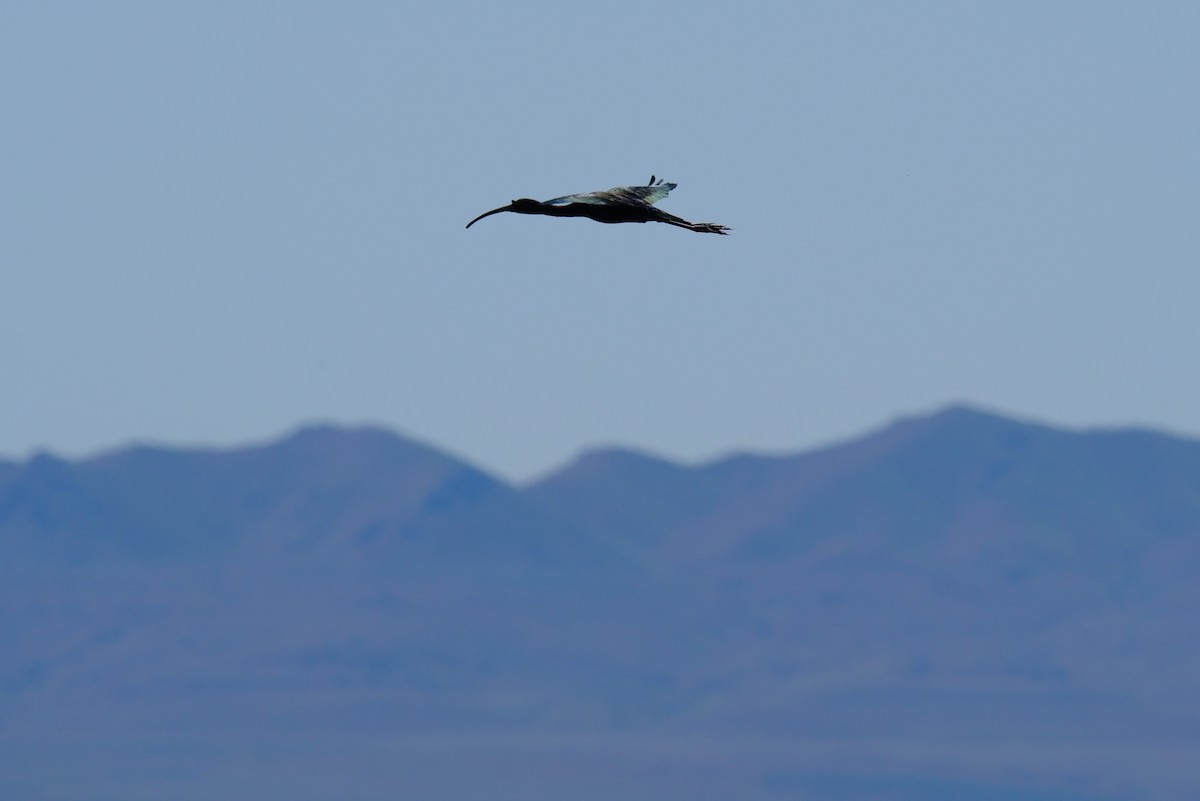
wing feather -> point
(645, 194)
(631, 195)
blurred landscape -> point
(954, 606)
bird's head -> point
(522, 205)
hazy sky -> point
(221, 220)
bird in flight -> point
(621, 204)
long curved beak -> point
(489, 213)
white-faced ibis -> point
(621, 204)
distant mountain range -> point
(954, 606)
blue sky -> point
(223, 220)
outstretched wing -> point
(619, 195)
(646, 194)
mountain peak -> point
(962, 418)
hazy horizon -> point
(548, 469)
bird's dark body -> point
(599, 213)
(623, 204)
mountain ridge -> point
(957, 597)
